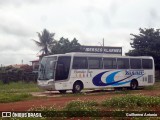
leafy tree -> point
(74, 46)
(146, 43)
(45, 41)
(64, 46)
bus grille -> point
(150, 78)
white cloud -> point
(88, 20)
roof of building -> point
(19, 65)
(34, 61)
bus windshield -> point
(47, 68)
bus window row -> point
(111, 63)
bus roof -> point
(97, 55)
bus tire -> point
(134, 85)
(62, 91)
(77, 87)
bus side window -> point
(147, 63)
(135, 63)
(95, 63)
(109, 63)
(80, 63)
(123, 63)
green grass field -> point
(19, 91)
(114, 107)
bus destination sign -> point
(100, 49)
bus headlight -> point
(50, 82)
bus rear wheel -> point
(62, 91)
(77, 87)
(134, 85)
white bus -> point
(77, 71)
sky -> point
(89, 21)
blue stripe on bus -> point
(109, 80)
(97, 80)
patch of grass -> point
(82, 108)
(50, 113)
(122, 92)
(80, 103)
(16, 91)
(149, 88)
(156, 86)
(43, 108)
(1, 82)
(132, 101)
(5, 98)
(19, 87)
(93, 110)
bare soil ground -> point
(58, 100)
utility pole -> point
(103, 45)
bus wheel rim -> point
(134, 85)
(78, 87)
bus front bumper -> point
(50, 86)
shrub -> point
(82, 108)
(132, 101)
(43, 108)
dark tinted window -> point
(147, 64)
(135, 63)
(123, 63)
(63, 66)
(80, 63)
(95, 63)
(109, 63)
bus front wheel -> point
(77, 87)
(134, 85)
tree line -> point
(146, 43)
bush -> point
(80, 103)
(82, 108)
(43, 109)
(132, 101)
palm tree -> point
(45, 41)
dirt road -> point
(61, 101)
